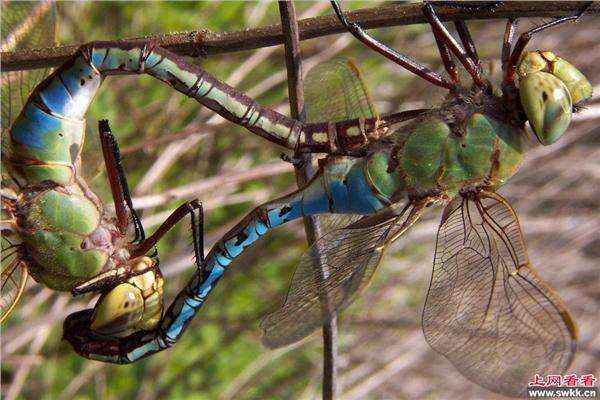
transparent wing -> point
(487, 309)
(12, 278)
(332, 222)
(349, 256)
(24, 25)
(335, 91)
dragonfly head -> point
(131, 306)
(550, 88)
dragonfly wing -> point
(335, 91)
(349, 257)
(487, 309)
(334, 222)
(13, 277)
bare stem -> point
(304, 173)
(204, 42)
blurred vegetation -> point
(169, 141)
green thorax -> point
(65, 240)
(456, 146)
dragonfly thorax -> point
(469, 141)
(67, 240)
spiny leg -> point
(509, 34)
(122, 199)
(400, 59)
(525, 37)
(442, 34)
(461, 27)
(463, 31)
(188, 208)
(467, 42)
(118, 182)
(449, 64)
(198, 237)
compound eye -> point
(547, 104)
(119, 311)
(579, 86)
(532, 62)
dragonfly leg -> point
(449, 64)
(525, 37)
(189, 208)
(467, 42)
(400, 59)
(123, 208)
(463, 30)
(118, 182)
(191, 298)
(509, 34)
(441, 34)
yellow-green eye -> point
(131, 306)
(119, 311)
(547, 104)
(546, 61)
(531, 62)
(578, 85)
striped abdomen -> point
(342, 186)
(46, 138)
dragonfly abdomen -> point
(340, 187)
(47, 136)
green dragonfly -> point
(54, 227)
(487, 310)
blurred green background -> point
(175, 150)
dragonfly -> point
(487, 309)
(54, 227)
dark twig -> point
(304, 172)
(204, 42)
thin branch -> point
(412, 350)
(204, 42)
(168, 138)
(234, 387)
(304, 173)
(207, 184)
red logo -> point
(569, 380)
